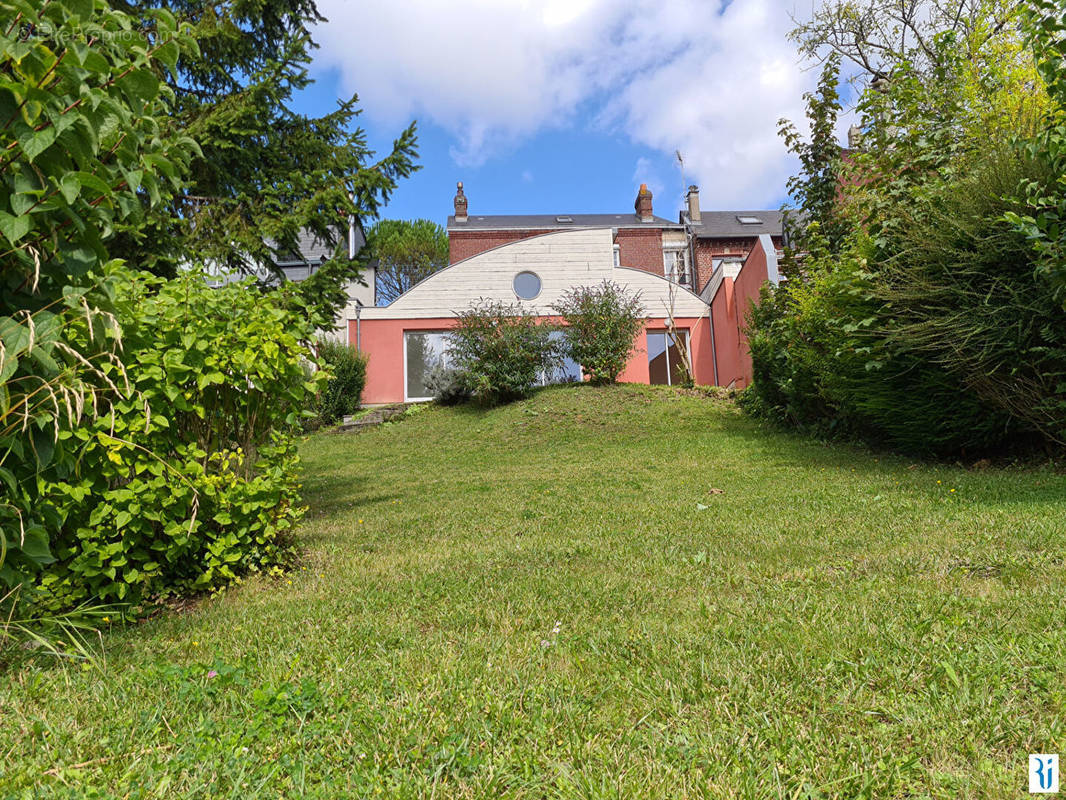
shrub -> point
(85, 151)
(342, 393)
(831, 354)
(500, 352)
(446, 385)
(189, 479)
(602, 323)
(968, 294)
(934, 327)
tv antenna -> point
(681, 166)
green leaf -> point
(9, 480)
(35, 546)
(140, 84)
(14, 228)
(168, 53)
(70, 188)
(36, 142)
(82, 9)
(90, 181)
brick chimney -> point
(460, 203)
(643, 204)
(693, 197)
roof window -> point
(749, 220)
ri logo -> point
(1044, 773)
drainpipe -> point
(351, 229)
(358, 326)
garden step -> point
(371, 419)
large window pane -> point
(658, 366)
(425, 350)
(675, 357)
(569, 371)
(664, 357)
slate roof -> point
(724, 224)
(310, 250)
(518, 222)
(713, 224)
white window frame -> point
(618, 255)
(444, 363)
(666, 332)
(670, 261)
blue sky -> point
(553, 106)
(574, 170)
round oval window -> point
(527, 285)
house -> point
(311, 252)
(696, 278)
(726, 238)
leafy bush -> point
(500, 352)
(967, 293)
(189, 479)
(932, 325)
(85, 151)
(1043, 220)
(446, 385)
(342, 393)
(940, 338)
(602, 323)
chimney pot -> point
(460, 203)
(643, 204)
(693, 198)
(854, 137)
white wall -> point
(357, 293)
(561, 260)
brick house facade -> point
(642, 249)
(695, 246)
(467, 244)
(695, 279)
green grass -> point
(530, 602)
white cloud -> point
(669, 74)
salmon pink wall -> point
(699, 336)
(729, 311)
(383, 341)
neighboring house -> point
(311, 253)
(534, 259)
(641, 239)
(726, 237)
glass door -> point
(666, 365)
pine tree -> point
(266, 173)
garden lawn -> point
(623, 592)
